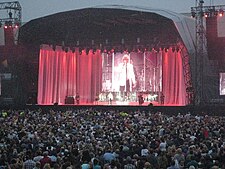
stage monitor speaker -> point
(69, 100)
(6, 101)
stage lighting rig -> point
(13, 13)
(199, 12)
(207, 11)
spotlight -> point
(138, 40)
(16, 25)
(106, 41)
(193, 14)
(221, 12)
(83, 52)
(215, 13)
(8, 24)
(78, 43)
(122, 41)
(73, 49)
(206, 14)
(173, 49)
(66, 49)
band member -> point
(77, 98)
(110, 98)
(140, 99)
(96, 99)
(162, 99)
(126, 76)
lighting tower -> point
(200, 12)
(14, 13)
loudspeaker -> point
(69, 100)
(6, 101)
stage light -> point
(206, 14)
(66, 49)
(193, 14)
(138, 40)
(173, 49)
(16, 25)
(122, 41)
(215, 13)
(221, 12)
(83, 52)
(8, 24)
(53, 47)
(78, 43)
(6, 27)
(73, 49)
(166, 49)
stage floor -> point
(118, 103)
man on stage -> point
(162, 97)
(126, 76)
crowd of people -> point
(110, 139)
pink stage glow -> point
(64, 74)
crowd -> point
(110, 139)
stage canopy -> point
(121, 28)
(111, 26)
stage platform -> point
(210, 109)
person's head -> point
(125, 58)
(47, 166)
(45, 154)
(191, 167)
(147, 165)
(38, 164)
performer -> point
(96, 99)
(162, 99)
(110, 98)
(140, 99)
(77, 99)
(126, 76)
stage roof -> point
(110, 26)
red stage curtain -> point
(64, 74)
(173, 78)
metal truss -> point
(14, 11)
(188, 80)
(199, 12)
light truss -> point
(14, 12)
(199, 12)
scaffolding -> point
(199, 12)
(14, 13)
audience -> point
(91, 139)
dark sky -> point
(32, 9)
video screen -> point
(222, 83)
(131, 73)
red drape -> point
(69, 73)
(64, 74)
(173, 78)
